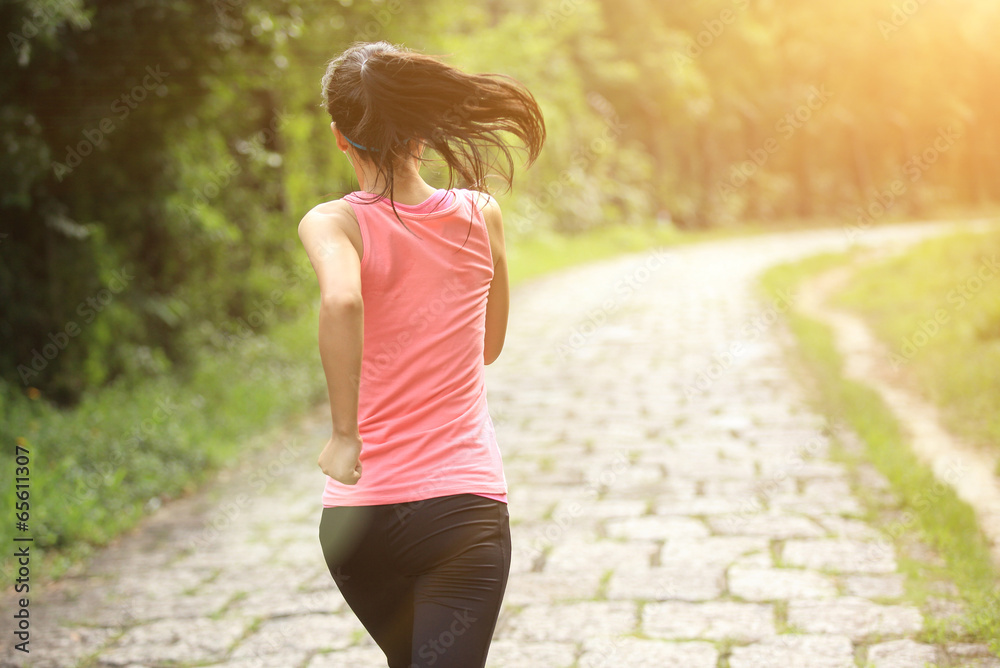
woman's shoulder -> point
(488, 209)
(337, 213)
(481, 200)
(335, 209)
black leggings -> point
(426, 578)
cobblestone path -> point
(672, 497)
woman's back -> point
(422, 409)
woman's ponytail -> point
(382, 96)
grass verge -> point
(124, 450)
(937, 307)
(942, 521)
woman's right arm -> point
(498, 301)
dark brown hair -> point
(381, 96)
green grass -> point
(942, 323)
(940, 518)
(545, 251)
(97, 469)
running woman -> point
(414, 300)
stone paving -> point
(672, 496)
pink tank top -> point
(422, 413)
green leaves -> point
(696, 112)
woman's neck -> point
(408, 187)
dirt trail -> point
(968, 469)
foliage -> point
(189, 183)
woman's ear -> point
(341, 142)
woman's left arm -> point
(341, 331)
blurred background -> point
(157, 156)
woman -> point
(414, 301)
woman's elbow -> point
(491, 351)
(490, 356)
(341, 302)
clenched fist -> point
(340, 459)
